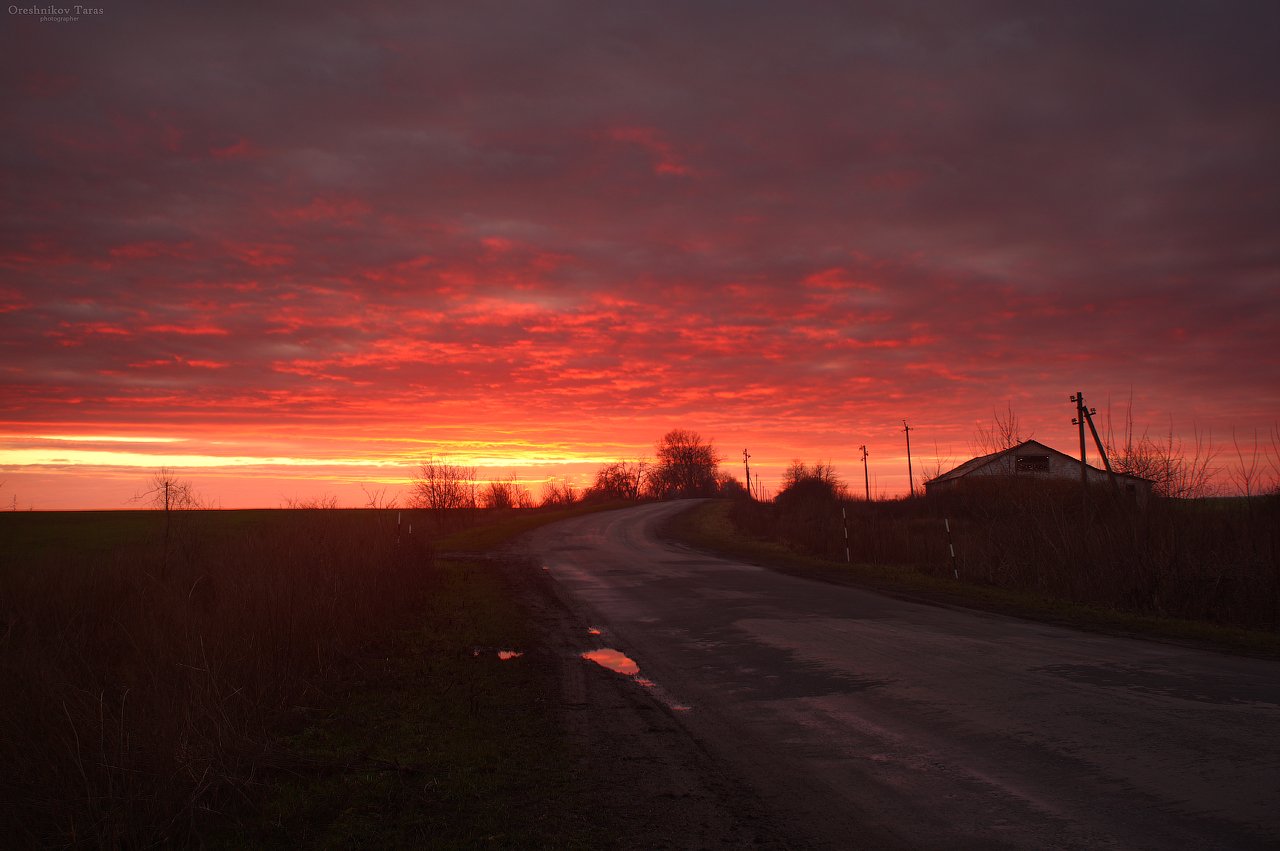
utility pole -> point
(745, 456)
(1097, 442)
(1084, 469)
(911, 478)
(866, 477)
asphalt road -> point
(866, 721)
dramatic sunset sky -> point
(292, 248)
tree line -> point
(684, 465)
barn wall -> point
(1061, 467)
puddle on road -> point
(614, 660)
(621, 663)
(593, 631)
(502, 654)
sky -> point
(293, 249)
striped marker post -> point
(845, 515)
(951, 546)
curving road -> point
(866, 721)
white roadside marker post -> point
(951, 546)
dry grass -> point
(1211, 560)
(141, 679)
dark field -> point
(284, 677)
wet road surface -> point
(867, 721)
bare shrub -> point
(505, 493)
(559, 492)
(324, 502)
(808, 506)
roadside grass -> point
(434, 742)
(709, 526)
(439, 742)
(283, 678)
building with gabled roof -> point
(1032, 461)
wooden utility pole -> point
(866, 477)
(745, 456)
(1084, 468)
(911, 478)
(1084, 415)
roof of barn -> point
(983, 460)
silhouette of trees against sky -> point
(1176, 469)
(559, 492)
(168, 493)
(686, 466)
(821, 473)
(621, 479)
(1003, 432)
(441, 486)
(506, 493)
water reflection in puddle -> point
(621, 663)
(614, 660)
(504, 655)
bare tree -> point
(686, 466)
(1249, 469)
(820, 471)
(378, 498)
(728, 485)
(442, 487)
(620, 479)
(167, 492)
(940, 465)
(1175, 469)
(1003, 432)
(1272, 450)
